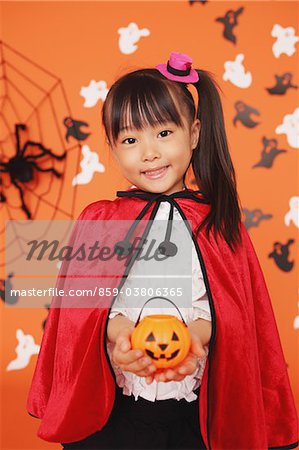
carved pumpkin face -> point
(164, 338)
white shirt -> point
(133, 384)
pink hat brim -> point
(191, 78)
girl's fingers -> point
(141, 366)
(187, 369)
(179, 372)
(197, 347)
(149, 379)
(123, 341)
(188, 366)
(125, 345)
(122, 352)
(126, 358)
(160, 377)
(133, 361)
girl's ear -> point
(195, 131)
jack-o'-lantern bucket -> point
(163, 337)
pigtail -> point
(212, 164)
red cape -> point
(245, 398)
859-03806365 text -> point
(98, 291)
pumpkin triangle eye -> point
(174, 337)
(150, 338)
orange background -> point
(78, 42)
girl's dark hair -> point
(145, 97)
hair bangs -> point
(134, 107)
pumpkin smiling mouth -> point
(163, 356)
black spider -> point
(21, 167)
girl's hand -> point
(184, 368)
(125, 358)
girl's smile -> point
(156, 173)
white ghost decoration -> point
(24, 350)
(290, 127)
(235, 72)
(96, 90)
(129, 36)
(89, 165)
(286, 40)
(293, 214)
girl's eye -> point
(129, 139)
(165, 131)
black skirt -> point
(142, 424)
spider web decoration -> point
(33, 107)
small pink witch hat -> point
(178, 68)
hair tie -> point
(179, 68)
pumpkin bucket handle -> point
(164, 298)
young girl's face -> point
(155, 159)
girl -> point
(90, 388)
